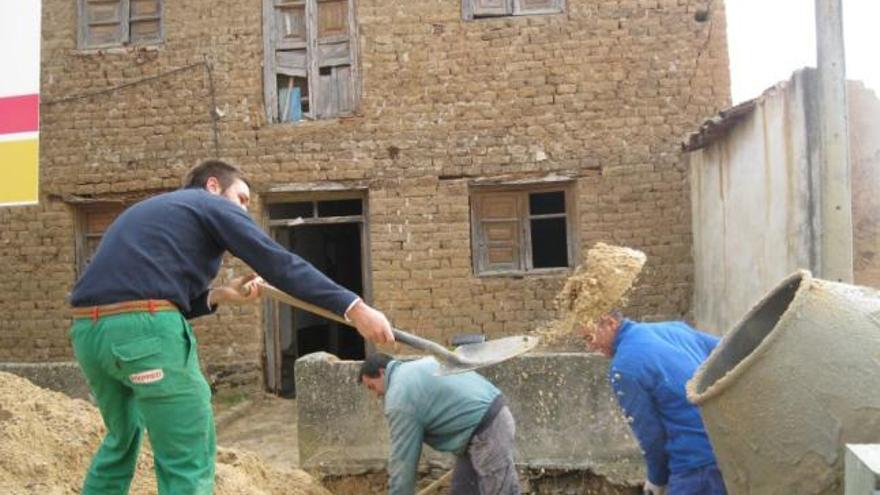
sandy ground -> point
(47, 440)
(265, 425)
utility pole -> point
(835, 258)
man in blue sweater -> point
(130, 333)
(650, 365)
(463, 414)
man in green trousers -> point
(150, 274)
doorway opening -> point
(329, 233)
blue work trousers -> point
(705, 480)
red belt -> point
(151, 305)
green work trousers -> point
(143, 369)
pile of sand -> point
(599, 285)
(47, 440)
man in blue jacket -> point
(130, 333)
(650, 365)
(463, 414)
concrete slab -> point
(566, 417)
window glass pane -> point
(291, 22)
(291, 210)
(549, 243)
(545, 203)
(340, 208)
(144, 31)
(293, 98)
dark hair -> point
(225, 173)
(372, 365)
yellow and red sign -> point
(19, 101)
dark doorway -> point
(334, 245)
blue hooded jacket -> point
(652, 363)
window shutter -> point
(498, 232)
(334, 91)
(332, 19)
(101, 22)
(521, 7)
(290, 24)
(310, 53)
(99, 219)
(92, 222)
(146, 21)
(484, 8)
(286, 71)
(292, 32)
(344, 97)
(334, 59)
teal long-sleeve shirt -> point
(442, 411)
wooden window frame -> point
(125, 19)
(479, 243)
(81, 224)
(470, 10)
(314, 68)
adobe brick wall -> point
(603, 92)
(36, 252)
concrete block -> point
(341, 428)
(566, 416)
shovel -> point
(465, 357)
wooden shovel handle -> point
(399, 335)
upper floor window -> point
(310, 70)
(521, 230)
(475, 9)
(108, 23)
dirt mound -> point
(597, 286)
(240, 471)
(47, 440)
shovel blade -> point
(488, 353)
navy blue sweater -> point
(652, 363)
(171, 245)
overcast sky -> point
(769, 39)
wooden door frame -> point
(271, 315)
